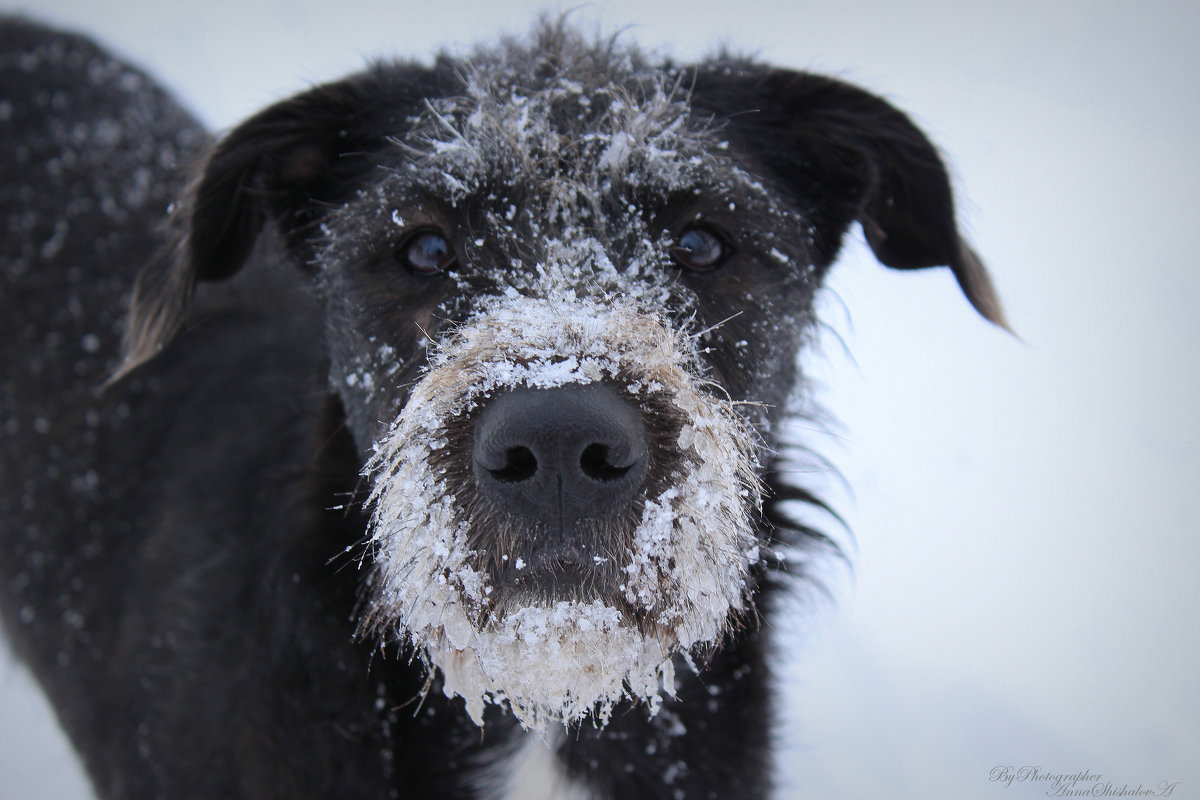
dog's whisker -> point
(706, 331)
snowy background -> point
(1026, 513)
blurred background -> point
(1025, 513)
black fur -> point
(174, 543)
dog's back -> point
(88, 146)
(219, 665)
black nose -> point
(560, 455)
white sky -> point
(1026, 527)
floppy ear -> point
(287, 166)
(848, 155)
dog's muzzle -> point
(562, 505)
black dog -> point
(456, 475)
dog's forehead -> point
(565, 126)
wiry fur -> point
(274, 570)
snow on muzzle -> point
(683, 564)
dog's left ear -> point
(847, 155)
(285, 167)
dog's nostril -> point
(597, 465)
(520, 464)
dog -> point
(420, 436)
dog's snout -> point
(561, 454)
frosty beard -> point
(687, 566)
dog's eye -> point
(700, 249)
(426, 252)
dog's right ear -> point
(848, 156)
(287, 166)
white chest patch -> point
(531, 771)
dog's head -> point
(564, 290)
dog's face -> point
(565, 490)
(564, 293)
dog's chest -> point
(529, 770)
